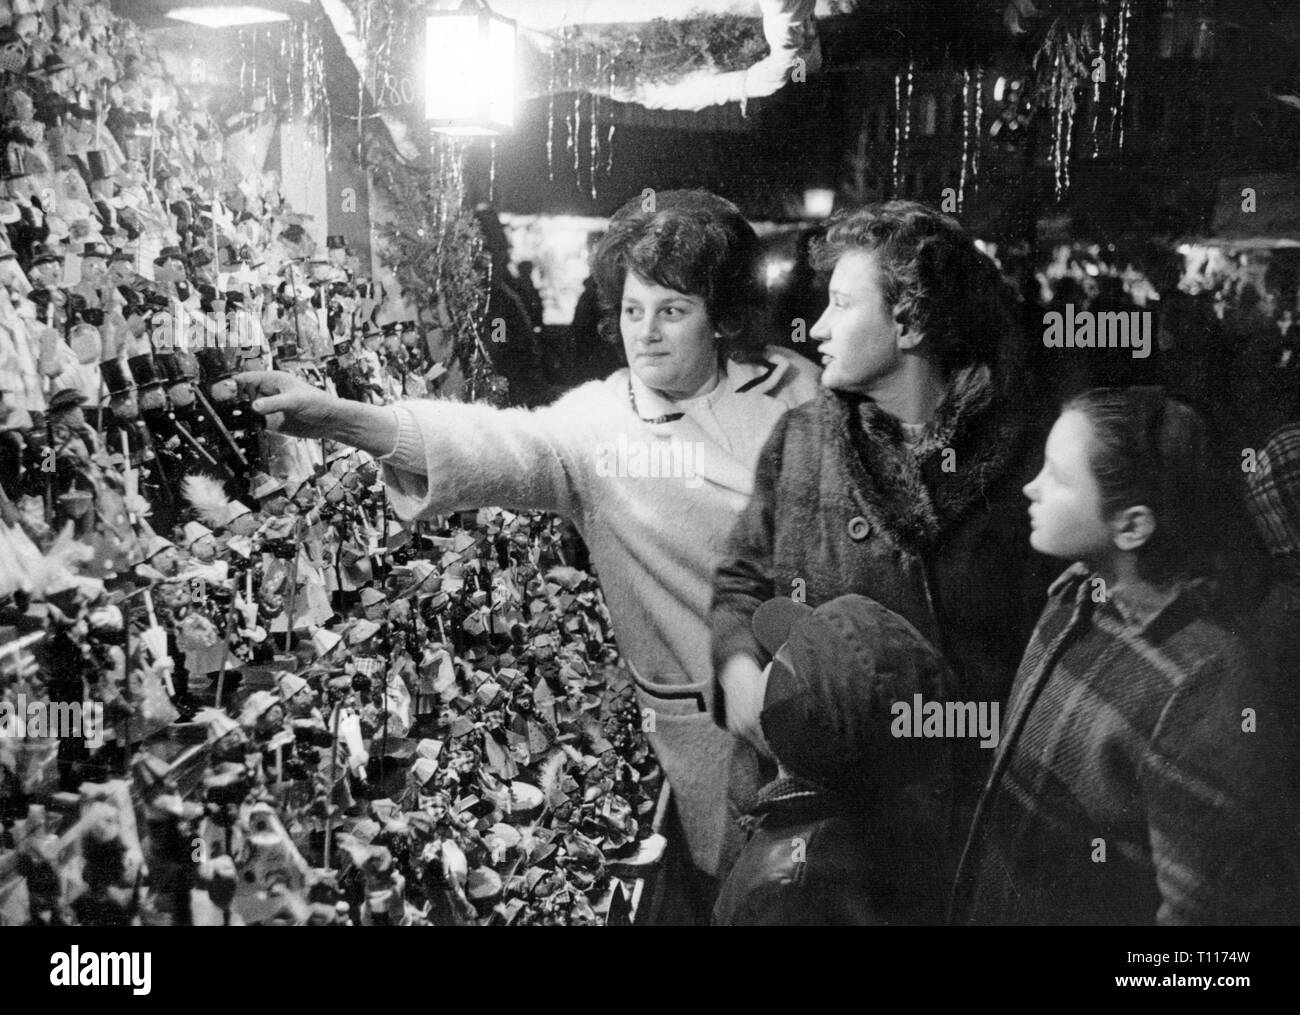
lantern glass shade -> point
(470, 73)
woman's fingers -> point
(275, 403)
(271, 392)
(262, 382)
(274, 421)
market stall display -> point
(291, 708)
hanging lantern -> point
(470, 71)
(818, 202)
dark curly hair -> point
(936, 281)
(696, 243)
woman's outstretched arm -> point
(439, 455)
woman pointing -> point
(653, 464)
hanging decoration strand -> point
(550, 122)
(898, 127)
(609, 139)
(1099, 64)
(1121, 61)
(965, 136)
(907, 105)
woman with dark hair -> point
(1138, 777)
(901, 482)
(653, 463)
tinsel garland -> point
(284, 65)
(659, 51)
(435, 250)
(600, 55)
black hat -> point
(97, 164)
(170, 253)
(117, 378)
(95, 250)
(43, 253)
(212, 363)
(66, 398)
(53, 63)
(168, 366)
(837, 674)
(145, 371)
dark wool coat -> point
(1137, 781)
(937, 532)
(811, 863)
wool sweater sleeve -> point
(744, 580)
(453, 456)
(1217, 842)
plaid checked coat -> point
(1273, 489)
(1125, 789)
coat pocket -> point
(696, 757)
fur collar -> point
(915, 494)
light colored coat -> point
(654, 501)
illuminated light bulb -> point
(470, 73)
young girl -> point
(1132, 783)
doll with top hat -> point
(122, 427)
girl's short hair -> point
(934, 280)
(1149, 449)
(696, 243)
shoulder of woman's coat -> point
(799, 381)
(797, 435)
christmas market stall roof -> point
(1260, 210)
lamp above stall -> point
(470, 71)
(237, 15)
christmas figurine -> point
(161, 559)
(201, 544)
(123, 428)
(170, 822)
(268, 863)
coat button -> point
(859, 528)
